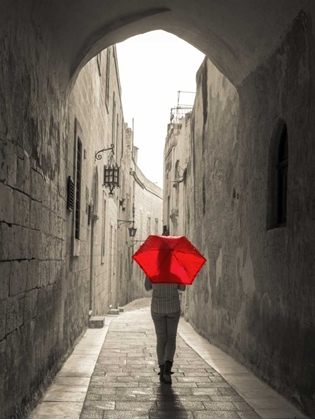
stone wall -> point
(176, 158)
(255, 296)
(93, 256)
(33, 133)
(45, 285)
(126, 214)
(148, 221)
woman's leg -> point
(172, 324)
(160, 330)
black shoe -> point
(167, 372)
(161, 372)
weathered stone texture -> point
(23, 181)
(18, 277)
(4, 279)
(3, 313)
(21, 209)
(8, 166)
(32, 124)
(7, 198)
(255, 296)
(15, 314)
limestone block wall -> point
(44, 289)
(100, 126)
(148, 221)
(126, 212)
(33, 132)
(255, 296)
(176, 158)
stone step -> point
(114, 311)
(97, 322)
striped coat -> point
(165, 297)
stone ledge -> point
(97, 322)
(114, 311)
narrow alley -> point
(236, 180)
(207, 383)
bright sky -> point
(153, 67)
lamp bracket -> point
(98, 155)
(122, 221)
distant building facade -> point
(96, 123)
(148, 211)
(176, 158)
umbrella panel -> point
(169, 259)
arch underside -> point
(237, 35)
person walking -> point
(165, 312)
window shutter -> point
(70, 194)
(89, 214)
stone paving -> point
(125, 383)
(112, 373)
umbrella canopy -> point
(169, 259)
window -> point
(141, 223)
(148, 225)
(89, 212)
(95, 191)
(177, 175)
(70, 194)
(118, 149)
(156, 228)
(114, 122)
(103, 230)
(78, 188)
(122, 136)
(278, 177)
(282, 177)
(110, 264)
(107, 77)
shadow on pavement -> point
(167, 404)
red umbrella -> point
(169, 259)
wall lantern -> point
(111, 170)
(132, 230)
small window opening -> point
(278, 177)
(78, 189)
(282, 178)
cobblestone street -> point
(125, 384)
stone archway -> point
(266, 50)
(236, 35)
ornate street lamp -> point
(111, 170)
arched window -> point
(278, 177)
(282, 177)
